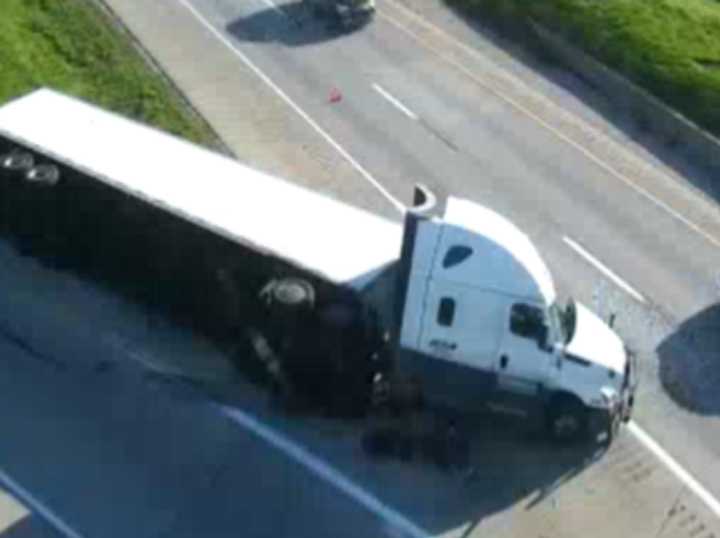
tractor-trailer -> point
(452, 296)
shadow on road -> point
(141, 453)
(292, 25)
(514, 467)
(690, 362)
(517, 38)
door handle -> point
(504, 359)
(443, 343)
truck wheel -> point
(293, 293)
(17, 160)
(566, 420)
(43, 174)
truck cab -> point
(481, 325)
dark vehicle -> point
(345, 14)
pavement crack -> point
(437, 134)
(670, 513)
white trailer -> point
(461, 302)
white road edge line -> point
(557, 132)
(275, 8)
(260, 74)
(325, 471)
(36, 506)
(703, 494)
(604, 270)
(395, 102)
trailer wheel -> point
(17, 160)
(43, 174)
(290, 292)
(566, 419)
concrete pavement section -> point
(257, 126)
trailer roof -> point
(314, 232)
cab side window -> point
(446, 312)
(527, 321)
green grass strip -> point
(669, 47)
(72, 46)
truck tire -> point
(567, 419)
(17, 160)
(43, 174)
(291, 293)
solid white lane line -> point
(395, 102)
(272, 6)
(262, 76)
(557, 132)
(604, 270)
(703, 494)
(36, 506)
(326, 472)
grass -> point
(72, 46)
(669, 47)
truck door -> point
(523, 363)
(460, 337)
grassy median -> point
(72, 46)
(669, 47)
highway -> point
(424, 99)
(101, 438)
(619, 232)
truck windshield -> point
(562, 321)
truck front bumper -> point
(607, 420)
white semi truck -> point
(455, 298)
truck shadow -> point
(513, 468)
(292, 25)
(690, 362)
(516, 37)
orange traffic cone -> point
(335, 95)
